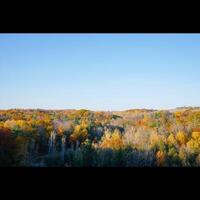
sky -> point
(99, 71)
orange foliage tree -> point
(160, 156)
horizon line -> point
(99, 110)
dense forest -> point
(83, 138)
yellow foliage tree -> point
(181, 138)
(112, 140)
(18, 125)
(171, 140)
(194, 142)
(196, 135)
(80, 133)
(177, 114)
(10, 124)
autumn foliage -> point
(86, 138)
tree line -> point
(132, 138)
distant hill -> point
(187, 107)
(140, 110)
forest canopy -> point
(84, 138)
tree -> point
(196, 135)
(183, 155)
(181, 138)
(8, 148)
(112, 140)
(194, 143)
(160, 156)
(173, 158)
(171, 140)
(80, 134)
(154, 139)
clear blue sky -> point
(99, 71)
